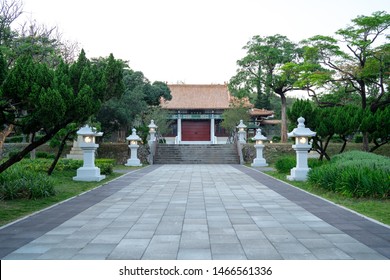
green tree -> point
(377, 125)
(359, 64)
(232, 116)
(39, 42)
(262, 71)
(9, 12)
(120, 114)
(326, 122)
(160, 117)
(36, 98)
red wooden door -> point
(195, 130)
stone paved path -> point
(195, 212)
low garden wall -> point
(118, 151)
(121, 152)
(271, 151)
(14, 147)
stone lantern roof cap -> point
(88, 131)
(301, 130)
(241, 125)
(259, 136)
(133, 136)
(152, 124)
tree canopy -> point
(44, 86)
(120, 114)
(262, 72)
(350, 68)
(359, 59)
(37, 98)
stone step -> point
(196, 154)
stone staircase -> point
(196, 154)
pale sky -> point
(192, 41)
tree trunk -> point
(366, 147)
(32, 153)
(378, 145)
(60, 150)
(283, 129)
(326, 146)
(18, 157)
(320, 148)
(3, 135)
(344, 144)
(364, 106)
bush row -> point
(354, 174)
(42, 165)
(285, 164)
(28, 180)
(18, 182)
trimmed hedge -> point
(354, 174)
(42, 165)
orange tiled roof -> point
(260, 112)
(197, 97)
(271, 122)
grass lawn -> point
(65, 187)
(378, 209)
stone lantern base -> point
(89, 174)
(298, 174)
(133, 162)
(259, 162)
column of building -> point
(212, 129)
(178, 127)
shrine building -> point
(196, 114)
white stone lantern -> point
(302, 147)
(241, 132)
(152, 131)
(133, 139)
(259, 138)
(88, 172)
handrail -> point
(153, 149)
(239, 148)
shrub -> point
(106, 165)
(14, 139)
(68, 164)
(44, 155)
(18, 182)
(285, 164)
(355, 174)
(15, 152)
(276, 139)
(358, 138)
